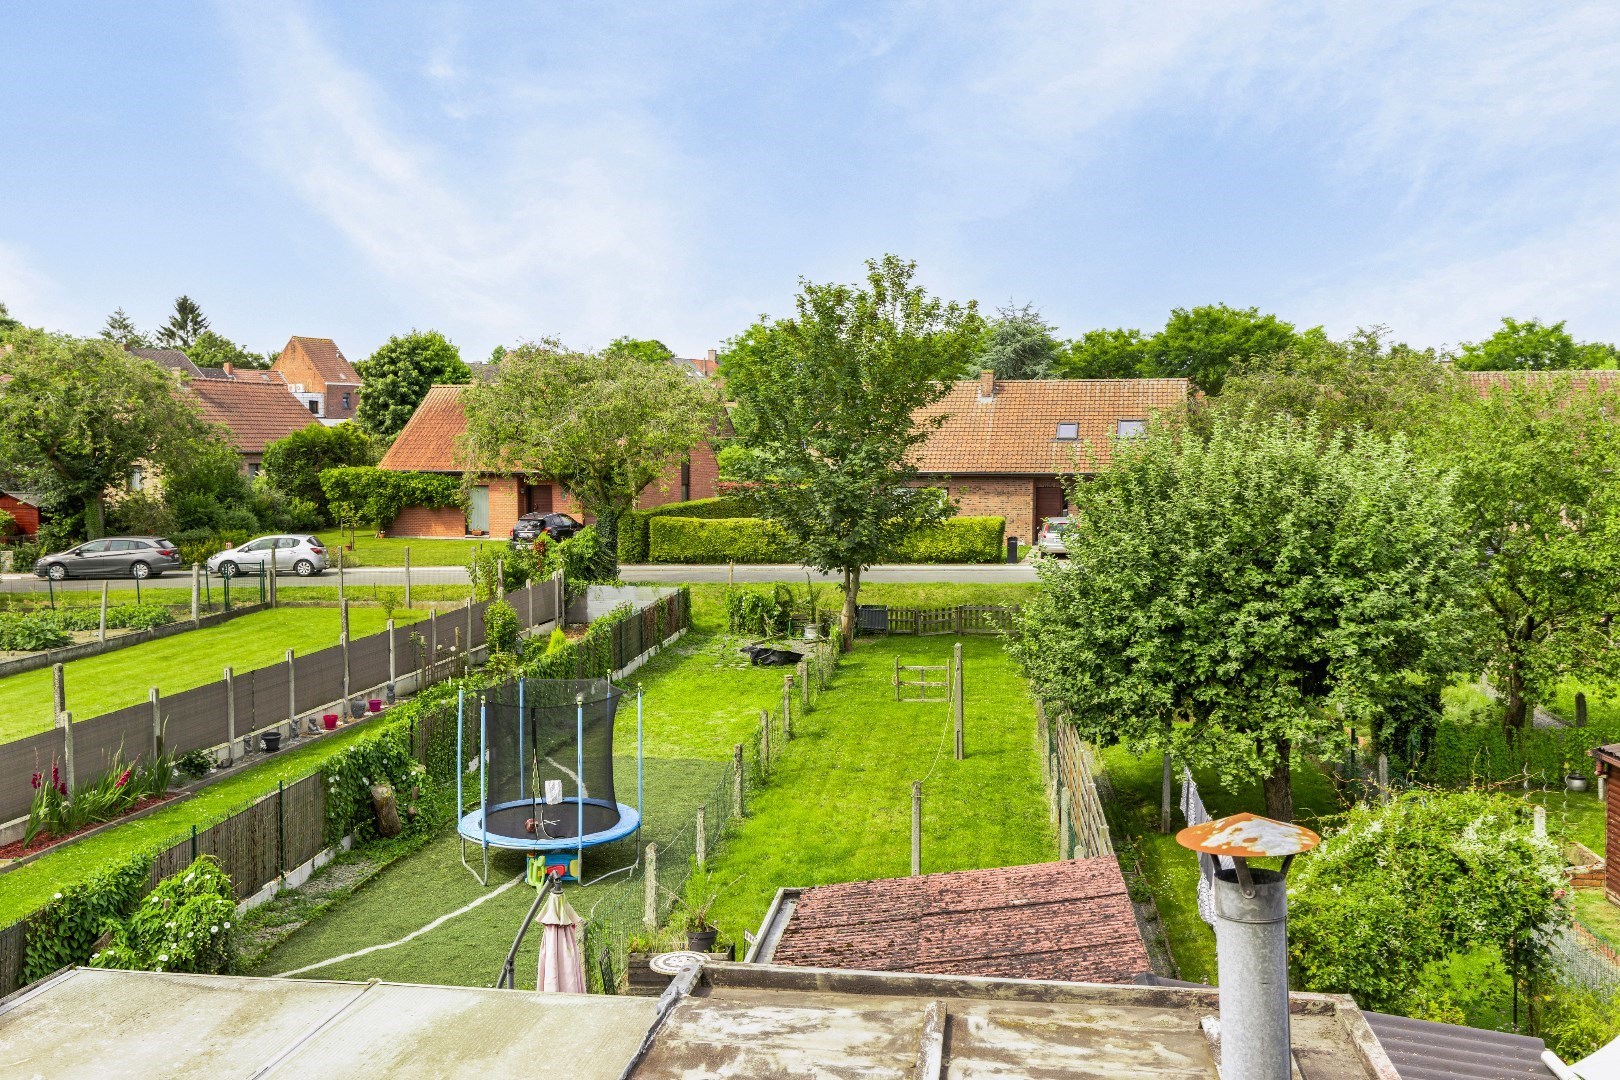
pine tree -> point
(121, 330)
(184, 326)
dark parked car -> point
(115, 556)
(530, 527)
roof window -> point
(1130, 429)
(1068, 431)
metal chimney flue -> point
(1251, 940)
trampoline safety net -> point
(548, 752)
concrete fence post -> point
(230, 716)
(701, 836)
(916, 828)
(64, 720)
(391, 658)
(292, 694)
(196, 593)
(433, 645)
(787, 707)
(58, 690)
(343, 640)
(273, 580)
(956, 696)
(340, 570)
(500, 579)
(649, 916)
(407, 576)
(101, 629)
(157, 721)
(1383, 779)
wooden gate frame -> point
(923, 684)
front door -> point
(539, 499)
(478, 511)
(1048, 501)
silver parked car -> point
(113, 556)
(1051, 538)
(295, 554)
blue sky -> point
(503, 171)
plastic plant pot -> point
(271, 741)
(330, 721)
(374, 705)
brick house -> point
(321, 377)
(428, 441)
(1007, 445)
(255, 407)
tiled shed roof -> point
(1014, 430)
(1069, 921)
(1484, 380)
(256, 413)
(171, 359)
(427, 442)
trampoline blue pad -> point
(604, 823)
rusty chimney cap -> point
(1247, 836)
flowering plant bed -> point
(22, 849)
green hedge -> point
(754, 540)
(718, 540)
(1474, 749)
(634, 542)
(959, 540)
(373, 496)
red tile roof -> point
(256, 413)
(427, 442)
(1483, 381)
(1071, 921)
(1014, 429)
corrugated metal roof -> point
(1422, 1050)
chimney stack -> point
(987, 385)
(1251, 940)
(230, 372)
(714, 354)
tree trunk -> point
(846, 621)
(1516, 711)
(1166, 801)
(1279, 788)
(382, 801)
(607, 531)
(95, 519)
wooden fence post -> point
(956, 695)
(702, 838)
(897, 678)
(956, 618)
(765, 740)
(407, 576)
(649, 915)
(64, 720)
(1065, 841)
(1166, 803)
(787, 707)
(230, 716)
(101, 630)
(916, 828)
(804, 686)
(157, 721)
(737, 781)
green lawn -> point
(838, 803)
(709, 613)
(1600, 916)
(701, 697)
(100, 684)
(390, 551)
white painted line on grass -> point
(434, 925)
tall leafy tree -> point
(76, 416)
(120, 329)
(185, 326)
(1530, 345)
(825, 408)
(1106, 354)
(217, 350)
(602, 425)
(1018, 344)
(294, 464)
(646, 350)
(1201, 343)
(1364, 383)
(1234, 600)
(1535, 461)
(398, 375)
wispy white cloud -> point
(31, 295)
(547, 234)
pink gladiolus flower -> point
(37, 778)
(123, 778)
(61, 787)
(56, 773)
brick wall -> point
(438, 522)
(1010, 497)
(703, 475)
(334, 400)
(503, 505)
(705, 472)
(1611, 839)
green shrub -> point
(762, 610)
(716, 540)
(367, 495)
(956, 540)
(183, 925)
(516, 566)
(634, 542)
(501, 626)
(578, 557)
(63, 931)
(24, 556)
(30, 633)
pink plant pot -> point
(374, 705)
(330, 720)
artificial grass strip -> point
(101, 684)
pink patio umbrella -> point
(562, 965)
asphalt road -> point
(457, 575)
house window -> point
(1068, 431)
(1130, 429)
(314, 406)
(345, 401)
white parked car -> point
(1050, 541)
(295, 554)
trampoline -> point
(537, 771)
